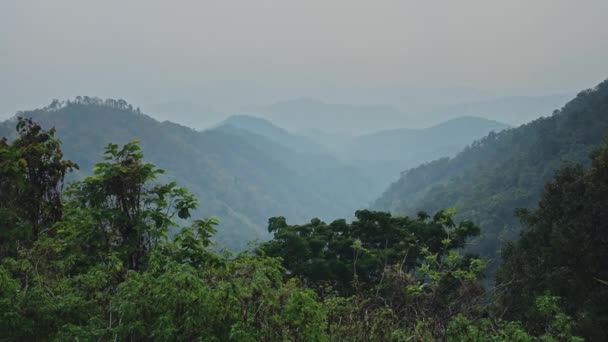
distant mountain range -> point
(381, 155)
(306, 115)
(514, 110)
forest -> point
(120, 252)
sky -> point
(227, 54)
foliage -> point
(563, 250)
(559, 327)
(112, 271)
(349, 257)
(127, 262)
(32, 172)
(128, 214)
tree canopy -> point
(563, 249)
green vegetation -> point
(348, 257)
(563, 249)
(117, 256)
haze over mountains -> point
(302, 114)
(247, 169)
(305, 115)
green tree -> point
(563, 250)
(32, 173)
(126, 213)
(353, 256)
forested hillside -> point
(240, 177)
(503, 171)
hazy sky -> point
(231, 53)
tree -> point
(32, 173)
(563, 250)
(352, 256)
(126, 213)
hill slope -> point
(504, 171)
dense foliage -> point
(347, 257)
(563, 249)
(33, 173)
(113, 270)
(110, 271)
(503, 171)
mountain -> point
(240, 177)
(488, 180)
